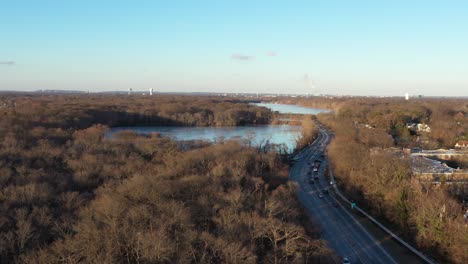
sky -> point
(295, 47)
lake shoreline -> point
(283, 134)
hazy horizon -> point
(329, 47)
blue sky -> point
(330, 47)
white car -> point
(346, 261)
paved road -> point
(342, 231)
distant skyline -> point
(295, 47)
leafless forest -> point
(69, 194)
(382, 182)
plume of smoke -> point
(309, 83)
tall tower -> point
(406, 96)
(151, 91)
(129, 91)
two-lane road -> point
(342, 231)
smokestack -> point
(151, 91)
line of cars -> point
(312, 178)
(314, 170)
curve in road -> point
(342, 231)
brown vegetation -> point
(309, 132)
(382, 182)
(447, 118)
(69, 194)
(82, 111)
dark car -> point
(335, 204)
(325, 191)
(311, 181)
(316, 178)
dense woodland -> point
(447, 117)
(383, 182)
(82, 111)
(69, 194)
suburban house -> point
(462, 144)
(418, 127)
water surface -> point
(256, 135)
(260, 135)
(292, 109)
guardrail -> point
(372, 219)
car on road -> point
(320, 195)
(325, 191)
(315, 169)
(335, 204)
(316, 178)
(346, 261)
(311, 181)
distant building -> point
(462, 144)
(151, 91)
(407, 96)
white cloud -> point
(241, 57)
